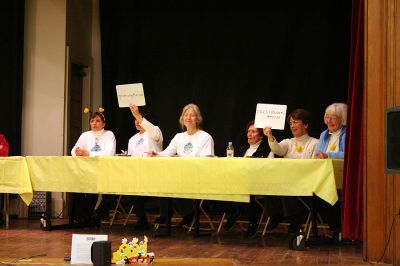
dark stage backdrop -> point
(11, 69)
(225, 56)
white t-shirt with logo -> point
(150, 140)
(199, 144)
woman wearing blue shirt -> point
(332, 141)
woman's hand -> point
(81, 152)
(135, 112)
(151, 154)
(268, 132)
(320, 155)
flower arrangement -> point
(133, 252)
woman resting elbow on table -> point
(192, 142)
(301, 146)
(96, 142)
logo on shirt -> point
(96, 148)
(188, 148)
(140, 142)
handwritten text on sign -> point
(271, 115)
(130, 93)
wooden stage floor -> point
(24, 243)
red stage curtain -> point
(352, 201)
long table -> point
(218, 178)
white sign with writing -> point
(130, 93)
(271, 115)
(81, 247)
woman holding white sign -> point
(301, 146)
(193, 142)
(149, 138)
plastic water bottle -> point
(230, 151)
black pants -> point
(83, 206)
(252, 210)
(330, 214)
(183, 206)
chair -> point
(6, 208)
(208, 219)
(257, 200)
(120, 210)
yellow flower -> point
(299, 148)
(332, 147)
(101, 109)
(86, 110)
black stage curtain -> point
(11, 70)
(225, 56)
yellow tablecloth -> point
(232, 179)
(14, 178)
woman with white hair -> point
(332, 140)
(331, 145)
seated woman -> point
(149, 138)
(96, 142)
(257, 147)
(301, 146)
(331, 145)
(3, 152)
(332, 140)
(4, 148)
(193, 142)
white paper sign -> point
(271, 115)
(130, 93)
(81, 247)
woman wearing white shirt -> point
(301, 146)
(97, 141)
(149, 138)
(193, 142)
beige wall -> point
(56, 34)
(44, 78)
(96, 94)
